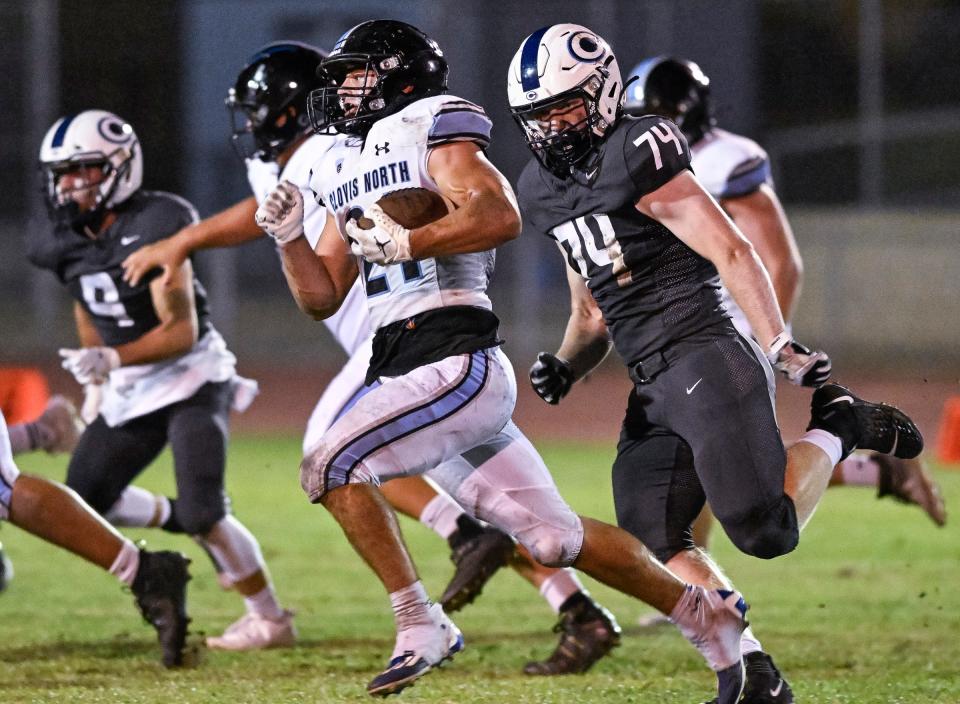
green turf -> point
(866, 610)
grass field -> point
(867, 610)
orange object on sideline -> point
(948, 449)
(23, 394)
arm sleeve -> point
(654, 151)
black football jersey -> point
(651, 288)
(91, 271)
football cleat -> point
(6, 570)
(418, 650)
(256, 632)
(765, 684)
(908, 482)
(713, 621)
(160, 588)
(477, 558)
(862, 424)
(587, 633)
(59, 426)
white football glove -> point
(90, 365)
(92, 398)
(799, 363)
(387, 242)
(281, 213)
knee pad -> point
(319, 474)
(553, 546)
(771, 533)
(193, 519)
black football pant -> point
(107, 460)
(700, 425)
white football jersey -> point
(354, 174)
(350, 325)
(730, 166)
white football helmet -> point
(556, 64)
(92, 138)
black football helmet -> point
(674, 88)
(268, 101)
(401, 63)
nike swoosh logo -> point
(776, 692)
(838, 399)
(690, 390)
(124, 241)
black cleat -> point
(160, 588)
(588, 632)
(908, 482)
(765, 684)
(477, 557)
(862, 424)
(6, 570)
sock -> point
(264, 603)
(440, 515)
(828, 442)
(127, 563)
(139, 508)
(749, 642)
(410, 606)
(560, 588)
(24, 437)
(860, 470)
(233, 549)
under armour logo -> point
(385, 148)
(382, 246)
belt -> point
(644, 371)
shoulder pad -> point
(730, 166)
(457, 120)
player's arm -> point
(760, 217)
(486, 215)
(319, 279)
(690, 213)
(233, 226)
(586, 342)
(86, 331)
(177, 331)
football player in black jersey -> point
(163, 373)
(645, 243)
(53, 513)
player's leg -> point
(56, 430)
(477, 551)
(54, 513)
(197, 430)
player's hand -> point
(551, 377)
(801, 365)
(386, 242)
(280, 215)
(167, 254)
(90, 365)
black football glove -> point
(551, 377)
(802, 366)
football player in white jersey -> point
(165, 373)
(444, 391)
(272, 134)
(57, 515)
(736, 171)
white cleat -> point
(256, 632)
(418, 650)
(713, 621)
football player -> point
(162, 372)
(272, 133)
(645, 242)
(442, 391)
(736, 172)
(53, 513)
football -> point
(411, 207)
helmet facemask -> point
(258, 131)
(350, 109)
(64, 205)
(561, 152)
